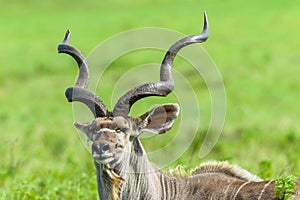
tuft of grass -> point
(285, 187)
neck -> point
(134, 172)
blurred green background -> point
(254, 44)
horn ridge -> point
(79, 91)
(166, 83)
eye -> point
(118, 130)
(121, 130)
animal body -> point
(122, 167)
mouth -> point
(104, 158)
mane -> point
(224, 167)
(179, 171)
(113, 184)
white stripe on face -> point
(106, 130)
(102, 130)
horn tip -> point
(67, 37)
(205, 29)
(66, 40)
(205, 21)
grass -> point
(253, 43)
(285, 187)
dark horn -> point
(79, 91)
(64, 47)
(88, 98)
(166, 84)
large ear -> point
(160, 119)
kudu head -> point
(113, 133)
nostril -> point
(96, 147)
(104, 147)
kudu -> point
(123, 170)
